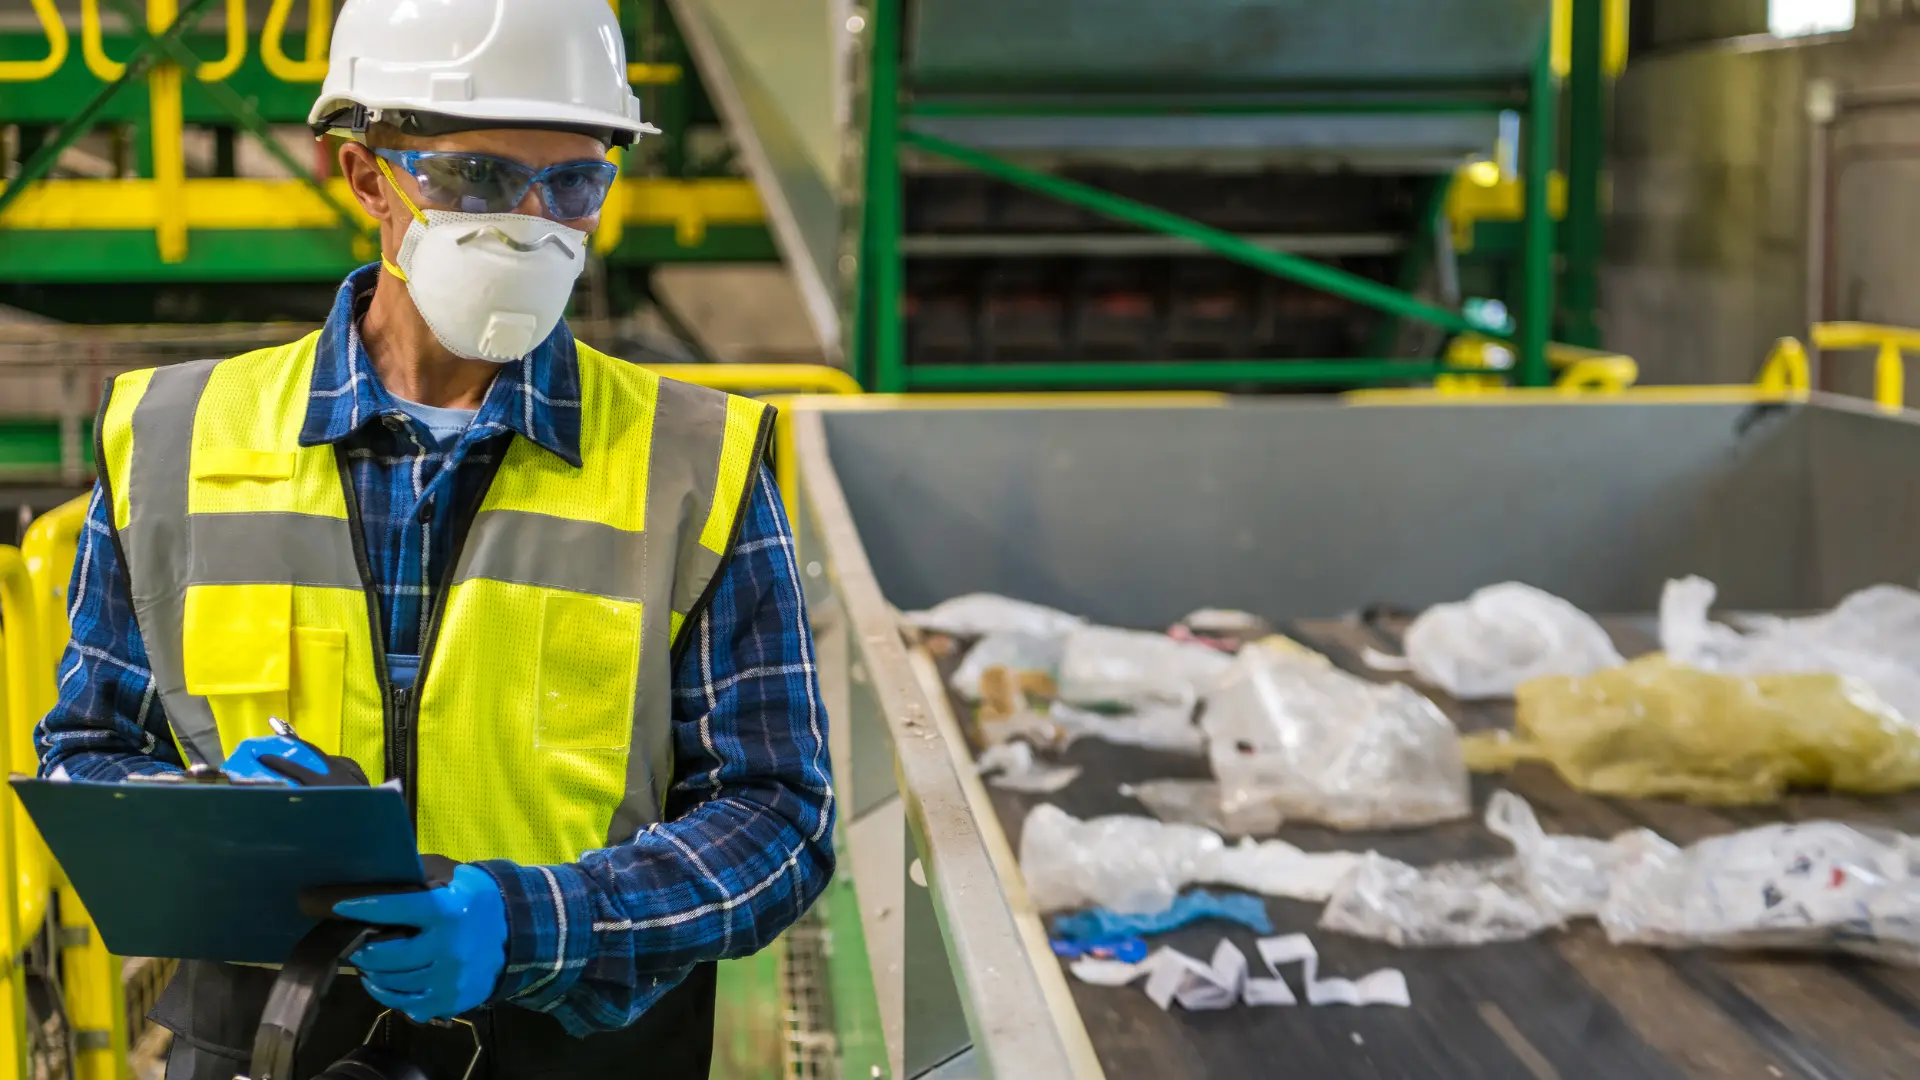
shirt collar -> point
(537, 396)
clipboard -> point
(214, 871)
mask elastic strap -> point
(394, 183)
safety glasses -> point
(485, 184)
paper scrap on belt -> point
(1173, 976)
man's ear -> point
(362, 173)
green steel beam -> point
(885, 220)
(1193, 374)
(1537, 257)
(244, 114)
(942, 108)
(1315, 275)
(51, 100)
(1586, 147)
(30, 448)
(78, 256)
(77, 125)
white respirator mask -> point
(490, 286)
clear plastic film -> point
(1656, 729)
(1017, 651)
(1872, 638)
(1548, 881)
(1105, 666)
(1137, 866)
(1814, 885)
(981, 614)
(1289, 734)
(1502, 636)
(1197, 802)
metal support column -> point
(1537, 261)
(1586, 147)
(885, 272)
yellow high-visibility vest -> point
(540, 725)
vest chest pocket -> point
(245, 656)
(589, 664)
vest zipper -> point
(391, 701)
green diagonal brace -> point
(1292, 267)
(242, 112)
(143, 58)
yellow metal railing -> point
(1890, 345)
(171, 205)
(57, 44)
(319, 32)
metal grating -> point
(811, 1051)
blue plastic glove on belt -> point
(452, 964)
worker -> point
(549, 593)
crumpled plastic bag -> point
(1168, 728)
(1137, 866)
(1197, 802)
(1104, 665)
(1018, 770)
(1814, 885)
(1873, 636)
(1016, 650)
(1548, 881)
(980, 614)
(1656, 729)
(1287, 730)
(1502, 636)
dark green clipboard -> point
(214, 871)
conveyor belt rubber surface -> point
(1564, 1006)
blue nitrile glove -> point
(244, 763)
(454, 961)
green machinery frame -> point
(1558, 263)
(53, 111)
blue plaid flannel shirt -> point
(746, 842)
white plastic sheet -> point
(1136, 865)
(1815, 885)
(1872, 637)
(1288, 732)
(1197, 802)
(1103, 665)
(1502, 636)
(980, 614)
(1548, 881)
(1019, 770)
(1151, 727)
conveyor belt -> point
(1564, 1006)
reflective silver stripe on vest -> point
(689, 429)
(155, 543)
(524, 548)
(271, 548)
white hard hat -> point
(430, 67)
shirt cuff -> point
(549, 931)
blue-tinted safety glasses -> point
(485, 184)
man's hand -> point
(290, 760)
(452, 964)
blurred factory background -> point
(944, 196)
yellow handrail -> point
(319, 29)
(95, 993)
(1786, 371)
(104, 67)
(22, 664)
(34, 70)
(767, 378)
(223, 68)
(168, 122)
(1890, 343)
